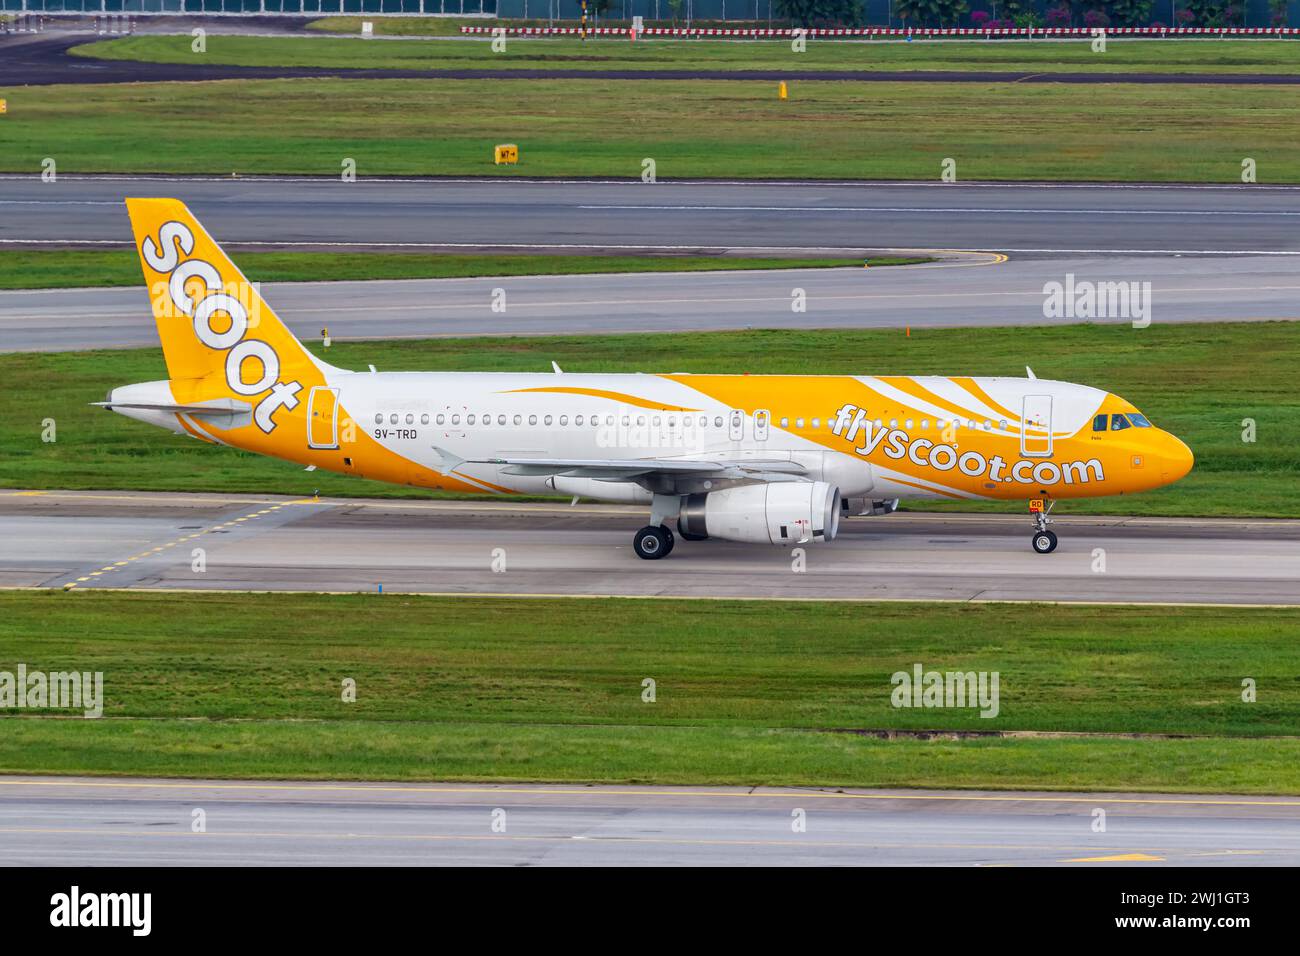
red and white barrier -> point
(831, 33)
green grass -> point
(1198, 381)
(1217, 56)
(450, 26)
(597, 128)
(471, 688)
(217, 685)
(410, 26)
(683, 756)
(65, 268)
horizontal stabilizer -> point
(217, 406)
(219, 412)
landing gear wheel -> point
(652, 543)
(688, 536)
(1045, 542)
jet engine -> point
(786, 513)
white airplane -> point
(762, 459)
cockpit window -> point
(1118, 423)
(1139, 420)
(1099, 423)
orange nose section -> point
(1176, 459)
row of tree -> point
(1024, 13)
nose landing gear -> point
(1044, 541)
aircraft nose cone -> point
(1176, 460)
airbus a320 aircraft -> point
(763, 459)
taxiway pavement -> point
(261, 543)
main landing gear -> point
(1044, 541)
(653, 542)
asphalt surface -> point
(48, 821)
(146, 540)
(416, 215)
(27, 60)
(965, 292)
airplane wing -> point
(644, 471)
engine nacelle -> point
(786, 513)
(869, 506)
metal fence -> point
(245, 7)
(875, 12)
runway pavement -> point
(48, 821)
(416, 215)
(976, 291)
(144, 540)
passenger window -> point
(410, 419)
(392, 419)
(441, 419)
(501, 419)
(424, 419)
(577, 419)
(469, 419)
(564, 419)
(1099, 423)
(379, 419)
(519, 419)
(1118, 423)
(532, 419)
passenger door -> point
(1036, 427)
(322, 417)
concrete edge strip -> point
(548, 596)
